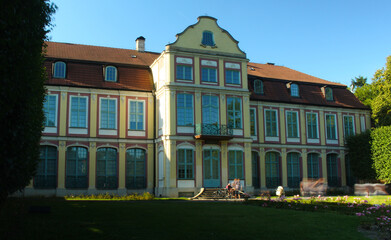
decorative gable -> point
(207, 36)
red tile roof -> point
(99, 54)
(310, 94)
(283, 73)
(85, 66)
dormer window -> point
(59, 70)
(207, 39)
(111, 74)
(294, 90)
(329, 94)
(258, 87)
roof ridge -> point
(78, 44)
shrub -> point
(360, 157)
(381, 152)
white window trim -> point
(331, 141)
(54, 70)
(276, 138)
(254, 137)
(144, 108)
(116, 74)
(354, 125)
(192, 99)
(77, 130)
(298, 90)
(312, 140)
(291, 139)
(363, 126)
(53, 129)
(241, 115)
(103, 131)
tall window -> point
(135, 168)
(294, 90)
(184, 109)
(111, 74)
(235, 161)
(332, 170)
(255, 168)
(210, 109)
(108, 113)
(348, 125)
(234, 112)
(78, 112)
(258, 86)
(50, 110)
(312, 125)
(350, 179)
(271, 123)
(208, 74)
(184, 72)
(232, 76)
(313, 165)
(329, 94)
(253, 122)
(207, 38)
(106, 168)
(46, 176)
(293, 168)
(272, 165)
(77, 167)
(185, 164)
(292, 124)
(331, 130)
(59, 70)
(136, 115)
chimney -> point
(140, 44)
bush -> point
(107, 196)
(381, 152)
(360, 157)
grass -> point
(167, 220)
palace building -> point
(197, 115)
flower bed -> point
(373, 216)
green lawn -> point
(168, 220)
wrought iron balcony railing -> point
(213, 131)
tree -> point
(358, 82)
(377, 95)
(23, 29)
(381, 104)
(359, 148)
(381, 152)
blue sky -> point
(336, 40)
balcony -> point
(213, 132)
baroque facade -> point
(199, 114)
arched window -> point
(59, 70)
(106, 168)
(313, 165)
(77, 168)
(46, 176)
(332, 170)
(293, 168)
(294, 90)
(258, 87)
(329, 94)
(207, 38)
(255, 168)
(111, 74)
(272, 165)
(135, 168)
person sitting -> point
(229, 189)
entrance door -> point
(211, 168)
